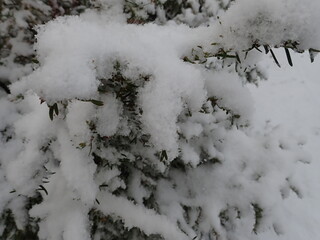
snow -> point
(294, 107)
(61, 214)
(270, 22)
(224, 86)
(74, 76)
(139, 217)
(109, 116)
(82, 166)
(237, 158)
(78, 115)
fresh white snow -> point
(267, 157)
(290, 99)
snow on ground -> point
(290, 99)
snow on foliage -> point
(271, 22)
(143, 130)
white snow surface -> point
(270, 22)
(86, 45)
(290, 100)
(273, 163)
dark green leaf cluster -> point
(12, 232)
(111, 228)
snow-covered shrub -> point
(128, 130)
(18, 19)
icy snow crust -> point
(241, 172)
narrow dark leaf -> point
(43, 188)
(288, 56)
(34, 60)
(5, 87)
(97, 201)
(55, 107)
(245, 56)
(103, 186)
(238, 58)
(314, 50)
(266, 48)
(163, 155)
(312, 54)
(258, 212)
(96, 102)
(13, 191)
(82, 145)
(274, 58)
(134, 140)
(186, 59)
(258, 49)
(51, 112)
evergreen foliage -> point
(95, 168)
